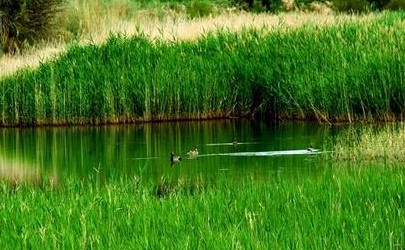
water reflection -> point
(144, 150)
(14, 172)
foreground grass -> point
(346, 209)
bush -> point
(361, 6)
(262, 5)
(395, 5)
(352, 6)
(26, 22)
(378, 4)
(200, 9)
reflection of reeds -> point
(18, 173)
(371, 144)
(14, 172)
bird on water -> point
(310, 149)
(235, 142)
(193, 153)
(174, 158)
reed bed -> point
(378, 143)
(348, 209)
(79, 26)
(344, 72)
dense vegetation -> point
(377, 143)
(345, 208)
(344, 72)
(25, 22)
(356, 6)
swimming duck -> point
(310, 149)
(193, 153)
(174, 158)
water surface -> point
(262, 150)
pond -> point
(236, 148)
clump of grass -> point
(382, 143)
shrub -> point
(200, 9)
(26, 22)
(267, 5)
(378, 4)
(353, 6)
(360, 6)
(395, 5)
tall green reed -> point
(344, 72)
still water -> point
(263, 150)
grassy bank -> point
(167, 28)
(348, 209)
(344, 72)
(381, 143)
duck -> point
(193, 153)
(235, 142)
(310, 149)
(174, 158)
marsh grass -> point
(379, 143)
(346, 72)
(346, 208)
(79, 26)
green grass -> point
(347, 208)
(343, 72)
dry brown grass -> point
(9, 64)
(94, 24)
(179, 27)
